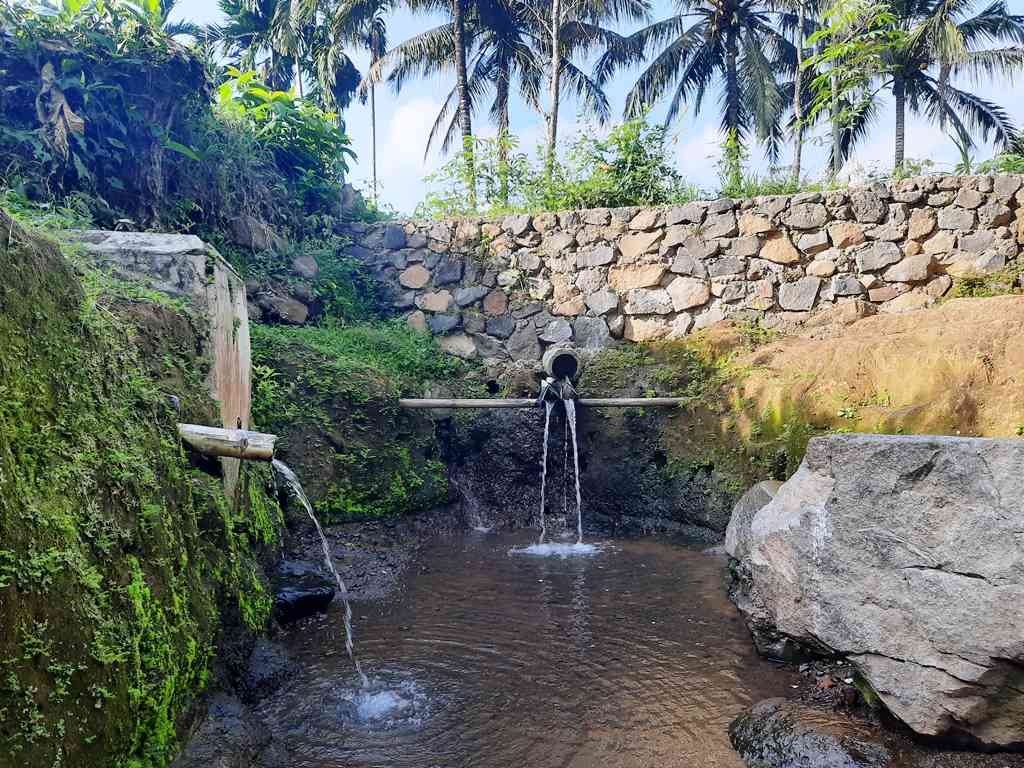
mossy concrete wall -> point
(186, 267)
(123, 567)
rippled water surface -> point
(628, 656)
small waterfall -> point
(296, 488)
(570, 416)
(548, 405)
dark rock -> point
(301, 588)
(267, 669)
(501, 327)
(394, 237)
(230, 736)
(523, 343)
(466, 296)
(591, 333)
(440, 324)
(780, 734)
(448, 270)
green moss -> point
(331, 394)
(120, 562)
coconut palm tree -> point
(364, 23)
(248, 37)
(575, 27)
(944, 41)
(732, 41)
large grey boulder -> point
(737, 535)
(906, 555)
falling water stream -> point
(570, 417)
(296, 488)
(548, 405)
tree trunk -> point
(798, 107)
(837, 134)
(555, 84)
(732, 95)
(373, 140)
(899, 90)
(502, 87)
(462, 85)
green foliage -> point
(630, 166)
(1007, 162)
(856, 41)
(119, 560)
(122, 118)
(981, 286)
(309, 145)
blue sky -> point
(403, 122)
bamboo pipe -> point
(231, 443)
(589, 402)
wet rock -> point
(901, 554)
(780, 734)
(269, 666)
(301, 588)
(231, 736)
(523, 343)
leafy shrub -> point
(631, 166)
(308, 144)
(125, 118)
(1008, 162)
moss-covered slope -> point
(120, 563)
(332, 394)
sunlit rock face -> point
(906, 555)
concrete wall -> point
(184, 266)
(509, 288)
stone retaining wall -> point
(499, 289)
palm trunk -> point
(837, 134)
(899, 90)
(462, 84)
(555, 85)
(732, 107)
(798, 107)
(373, 140)
(503, 121)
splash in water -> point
(296, 488)
(548, 405)
(570, 416)
(557, 550)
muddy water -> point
(628, 657)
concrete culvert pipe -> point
(561, 363)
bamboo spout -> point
(231, 443)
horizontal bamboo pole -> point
(231, 443)
(469, 403)
(588, 402)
